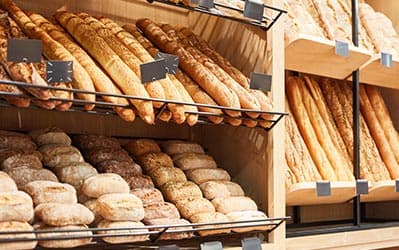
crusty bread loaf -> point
(50, 135)
(86, 236)
(174, 147)
(16, 226)
(140, 147)
(202, 175)
(120, 207)
(24, 175)
(123, 168)
(188, 161)
(56, 154)
(101, 184)
(15, 206)
(248, 216)
(213, 217)
(75, 173)
(160, 210)
(98, 155)
(87, 142)
(176, 191)
(151, 161)
(193, 206)
(57, 214)
(234, 204)
(6, 183)
(92, 205)
(139, 181)
(48, 191)
(137, 234)
(169, 235)
(164, 175)
(29, 160)
(16, 142)
(148, 196)
(220, 189)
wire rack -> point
(266, 23)
(106, 108)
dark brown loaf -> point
(31, 160)
(160, 210)
(98, 155)
(16, 142)
(139, 181)
(123, 168)
(148, 196)
(59, 154)
(138, 147)
(152, 161)
(23, 175)
(176, 191)
(87, 142)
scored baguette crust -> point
(123, 76)
(16, 101)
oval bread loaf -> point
(52, 137)
(176, 191)
(202, 175)
(98, 155)
(7, 184)
(234, 204)
(16, 142)
(64, 243)
(212, 217)
(140, 147)
(148, 195)
(220, 189)
(170, 235)
(163, 175)
(23, 176)
(189, 161)
(160, 210)
(75, 173)
(139, 181)
(141, 232)
(101, 184)
(120, 207)
(123, 168)
(29, 160)
(51, 192)
(16, 226)
(87, 142)
(152, 161)
(174, 147)
(190, 207)
(57, 154)
(57, 214)
(249, 216)
(16, 206)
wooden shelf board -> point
(302, 194)
(381, 191)
(376, 74)
(317, 56)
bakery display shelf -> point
(375, 73)
(381, 191)
(103, 107)
(266, 23)
(155, 232)
(305, 193)
(313, 55)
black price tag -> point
(253, 10)
(169, 247)
(386, 60)
(323, 188)
(213, 245)
(341, 48)
(194, 2)
(171, 62)
(396, 185)
(362, 187)
(260, 81)
(251, 244)
(24, 50)
(59, 71)
(208, 4)
(153, 71)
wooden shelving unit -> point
(375, 73)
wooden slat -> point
(375, 73)
(381, 191)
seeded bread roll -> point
(75, 173)
(220, 189)
(150, 162)
(174, 147)
(234, 204)
(24, 175)
(200, 176)
(16, 206)
(140, 147)
(16, 226)
(192, 206)
(148, 196)
(48, 191)
(87, 142)
(64, 243)
(120, 207)
(16, 142)
(57, 214)
(138, 230)
(101, 184)
(169, 235)
(248, 216)
(98, 155)
(212, 217)
(189, 161)
(6, 183)
(161, 210)
(29, 160)
(163, 175)
(139, 181)
(123, 168)
(176, 191)
(56, 154)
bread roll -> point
(57, 214)
(75, 173)
(10, 226)
(140, 147)
(92, 205)
(163, 175)
(220, 189)
(192, 206)
(29, 160)
(139, 181)
(212, 217)
(161, 210)
(175, 147)
(170, 222)
(50, 135)
(98, 155)
(101, 184)
(176, 191)
(15, 206)
(56, 154)
(16, 142)
(6, 183)
(64, 243)
(148, 196)
(123, 168)
(23, 175)
(137, 234)
(120, 207)
(234, 204)
(86, 142)
(200, 176)
(150, 162)
(248, 216)
(49, 191)
(189, 161)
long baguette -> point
(16, 101)
(133, 48)
(123, 76)
(100, 79)
(265, 105)
(222, 95)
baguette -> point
(123, 76)
(20, 102)
(101, 81)
(265, 105)
(222, 95)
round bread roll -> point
(137, 234)
(51, 192)
(148, 195)
(176, 191)
(202, 175)
(75, 173)
(57, 154)
(29, 160)
(98, 155)
(6, 183)
(150, 162)
(57, 214)
(211, 218)
(249, 216)
(190, 207)
(16, 226)
(16, 206)
(234, 204)
(163, 175)
(189, 161)
(160, 210)
(64, 243)
(120, 207)
(221, 189)
(140, 147)
(23, 176)
(101, 184)
(123, 168)
(87, 142)
(175, 147)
